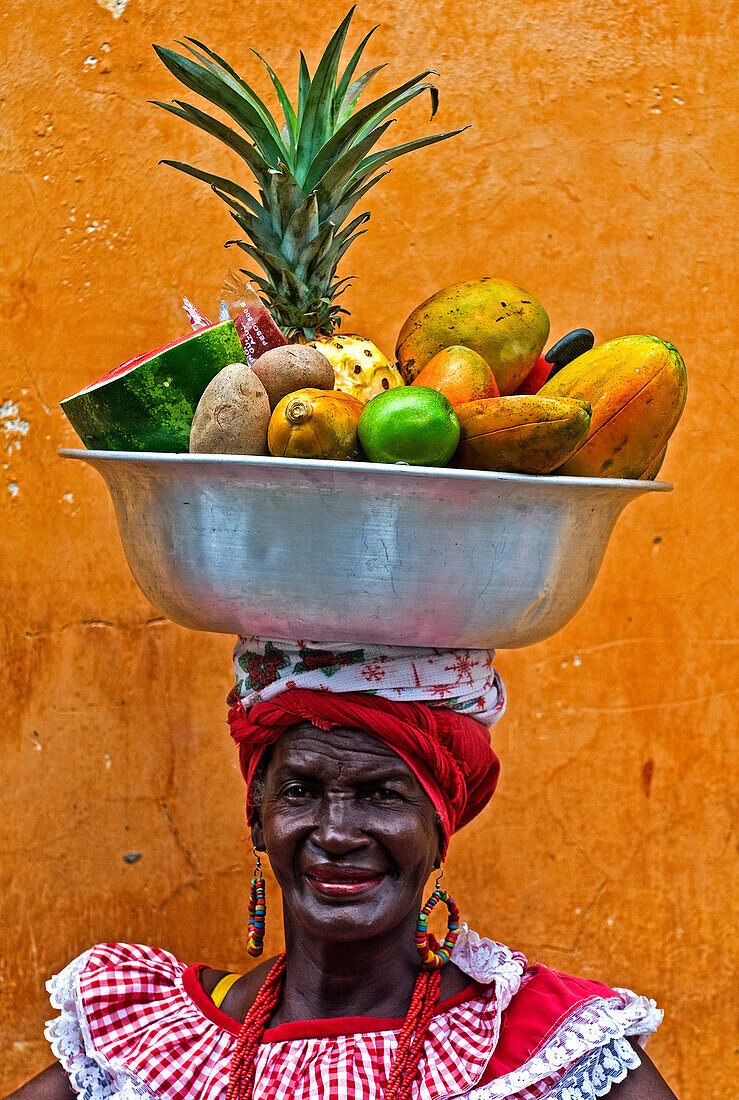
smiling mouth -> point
(347, 882)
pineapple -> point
(360, 368)
(310, 173)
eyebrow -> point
(380, 775)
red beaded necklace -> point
(410, 1041)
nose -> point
(337, 829)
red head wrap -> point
(448, 752)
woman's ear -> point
(439, 860)
(257, 833)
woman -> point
(359, 763)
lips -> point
(342, 882)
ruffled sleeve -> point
(90, 1074)
(127, 1025)
(560, 1037)
(567, 1038)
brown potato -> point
(233, 414)
(293, 367)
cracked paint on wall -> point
(12, 424)
(115, 7)
(14, 428)
(614, 804)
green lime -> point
(410, 424)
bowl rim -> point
(356, 469)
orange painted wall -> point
(598, 174)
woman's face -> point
(349, 831)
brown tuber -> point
(293, 367)
(233, 414)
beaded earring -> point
(257, 911)
(433, 957)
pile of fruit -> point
(471, 385)
(471, 388)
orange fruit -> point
(460, 374)
(313, 423)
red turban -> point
(448, 752)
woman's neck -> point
(373, 977)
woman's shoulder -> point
(119, 969)
(555, 1028)
(536, 993)
(128, 959)
(123, 1004)
(115, 972)
(134, 981)
(555, 1012)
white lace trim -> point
(487, 961)
(591, 1030)
(90, 1074)
(594, 1074)
(590, 1077)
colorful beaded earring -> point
(257, 911)
(433, 957)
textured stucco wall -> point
(597, 174)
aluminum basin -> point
(350, 552)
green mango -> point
(503, 323)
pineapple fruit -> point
(360, 368)
(310, 173)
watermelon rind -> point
(151, 406)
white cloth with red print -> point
(136, 1024)
(460, 679)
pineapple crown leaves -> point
(311, 170)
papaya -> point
(522, 435)
(651, 472)
(313, 423)
(503, 323)
(636, 386)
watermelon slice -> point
(148, 403)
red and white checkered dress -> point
(136, 1023)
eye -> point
(295, 791)
(385, 794)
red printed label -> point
(257, 332)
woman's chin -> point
(345, 913)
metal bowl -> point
(349, 552)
